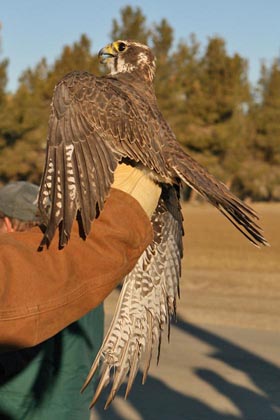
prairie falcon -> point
(95, 123)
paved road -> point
(207, 372)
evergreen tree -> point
(212, 105)
(132, 25)
(161, 43)
(24, 121)
(75, 57)
(3, 80)
(260, 176)
(204, 95)
(3, 76)
(267, 140)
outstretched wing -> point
(96, 122)
(242, 216)
(93, 124)
(146, 303)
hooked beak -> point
(106, 53)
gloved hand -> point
(139, 185)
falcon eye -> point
(121, 46)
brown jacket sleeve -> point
(43, 292)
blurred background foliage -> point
(227, 125)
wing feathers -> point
(79, 166)
(241, 216)
(146, 303)
(118, 120)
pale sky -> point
(32, 29)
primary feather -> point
(146, 304)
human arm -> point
(43, 292)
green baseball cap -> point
(19, 200)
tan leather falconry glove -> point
(139, 185)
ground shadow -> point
(156, 400)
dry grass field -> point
(226, 280)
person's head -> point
(18, 206)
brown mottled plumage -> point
(147, 302)
(95, 123)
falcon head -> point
(129, 57)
